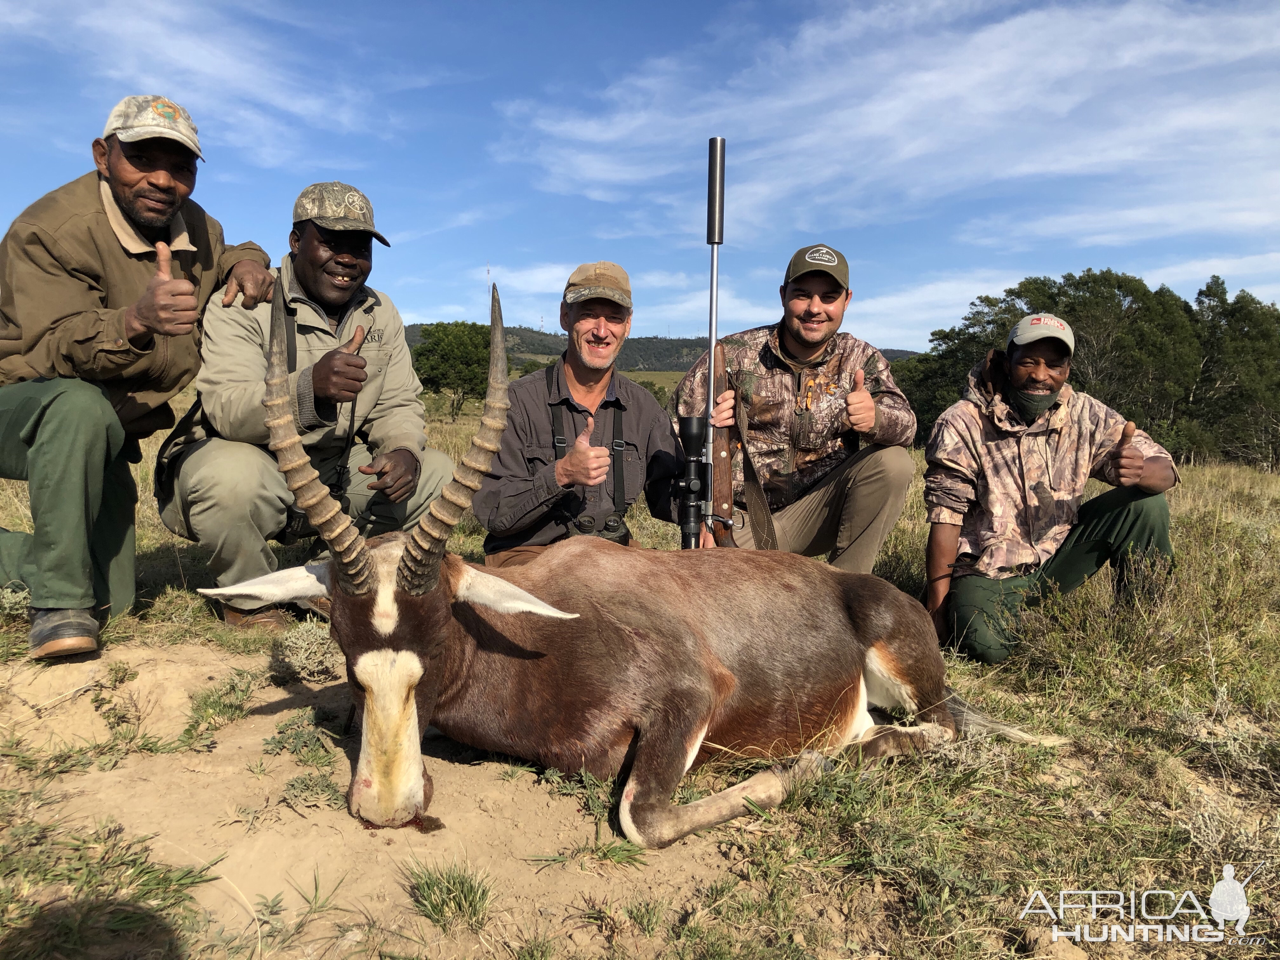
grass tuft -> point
(450, 894)
(314, 790)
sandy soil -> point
(194, 804)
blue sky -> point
(947, 148)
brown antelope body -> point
(605, 658)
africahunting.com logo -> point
(1150, 916)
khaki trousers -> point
(849, 515)
(231, 498)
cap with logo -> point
(336, 206)
(822, 259)
(603, 279)
(1038, 326)
(144, 117)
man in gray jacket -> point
(356, 400)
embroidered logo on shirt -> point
(373, 336)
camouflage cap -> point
(1038, 326)
(822, 259)
(336, 206)
(602, 279)
(143, 117)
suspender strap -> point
(561, 444)
(619, 480)
(558, 439)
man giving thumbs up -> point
(827, 428)
(356, 401)
(1007, 470)
(101, 286)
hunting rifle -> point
(707, 486)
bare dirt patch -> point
(225, 802)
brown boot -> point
(270, 617)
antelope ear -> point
(485, 590)
(283, 586)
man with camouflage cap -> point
(1007, 470)
(582, 441)
(824, 469)
(101, 286)
(355, 398)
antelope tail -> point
(971, 722)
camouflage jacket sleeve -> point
(690, 396)
(951, 476)
(895, 420)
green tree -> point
(1234, 411)
(453, 359)
(1136, 349)
(659, 392)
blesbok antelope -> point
(597, 656)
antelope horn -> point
(350, 554)
(419, 569)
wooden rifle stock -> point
(723, 444)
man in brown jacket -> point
(827, 428)
(101, 285)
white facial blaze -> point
(387, 789)
(386, 612)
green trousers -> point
(1119, 526)
(65, 440)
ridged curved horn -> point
(419, 569)
(348, 549)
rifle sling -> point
(766, 538)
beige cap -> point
(143, 117)
(602, 279)
(336, 206)
(1038, 326)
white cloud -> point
(538, 278)
(244, 87)
(1166, 109)
(1232, 269)
(905, 318)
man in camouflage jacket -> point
(827, 429)
(1004, 487)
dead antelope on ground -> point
(601, 657)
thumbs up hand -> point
(339, 375)
(584, 465)
(167, 307)
(1129, 461)
(860, 405)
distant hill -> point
(639, 353)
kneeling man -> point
(355, 397)
(1007, 470)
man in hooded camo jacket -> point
(1007, 468)
(827, 429)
